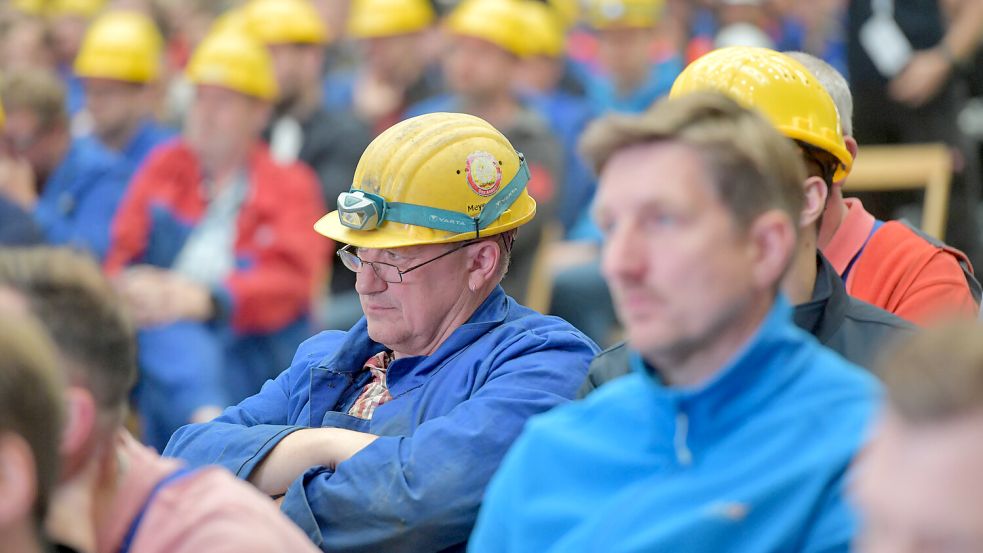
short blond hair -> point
(754, 167)
(937, 374)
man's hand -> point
(158, 296)
(304, 449)
(922, 78)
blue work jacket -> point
(149, 135)
(80, 198)
(755, 460)
(452, 417)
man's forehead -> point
(652, 169)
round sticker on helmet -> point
(484, 173)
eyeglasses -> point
(386, 271)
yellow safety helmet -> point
(432, 179)
(235, 20)
(545, 30)
(612, 14)
(568, 10)
(33, 7)
(779, 87)
(122, 45)
(285, 22)
(496, 21)
(3, 116)
(233, 60)
(382, 18)
(83, 8)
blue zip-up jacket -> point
(149, 135)
(452, 417)
(755, 460)
(80, 198)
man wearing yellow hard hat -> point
(793, 100)
(630, 72)
(330, 142)
(485, 41)
(383, 438)
(120, 67)
(212, 249)
(395, 42)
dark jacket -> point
(856, 330)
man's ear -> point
(816, 192)
(852, 146)
(18, 480)
(81, 415)
(483, 262)
(772, 237)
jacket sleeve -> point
(130, 228)
(422, 492)
(282, 263)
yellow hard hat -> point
(3, 116)
(568, 10)
(610, 14)
(545, 31)
(233, 60)
(285, 22)
(84, 8)
(432, 179)
(382, 18)
(497, 21)
(235, 20)
(122, 45)
(779, 87)
(33, 7)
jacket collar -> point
(823, 315)
(358, 346)
(749, 379)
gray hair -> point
(834, 83)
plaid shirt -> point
(375, 392)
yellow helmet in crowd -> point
(610, 14)
(83, 8)
(497, 21)
(779, 87)
(285, 22)
(382, 18)
(122, 45)
(433, 179)
(233, 60)
(544, 29)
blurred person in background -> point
(905, 59)
(17, 227)
(72, 187)
(115, 495)
(395, 41)
(540, 81)
(120, 64)
(742, 23)
(26, 42)
(797, 104)
(735, 428)
(301, 128)
(212, 247)
(69, 20)
(918, 484)
(889, 264)
(382, 438)
(486, 39)
(632, 72)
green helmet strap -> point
(362, 210)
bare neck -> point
(800, 281)
(24, 538)
(462, 311)
(833, 217)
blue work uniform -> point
(452, 416)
